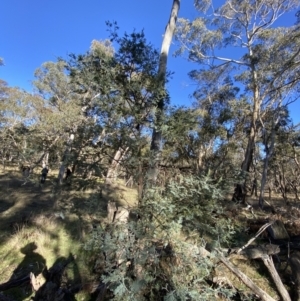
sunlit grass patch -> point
(43, 225)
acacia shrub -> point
(159, 256)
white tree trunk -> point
(162, 69)
(45, 161)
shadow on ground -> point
(42, 223)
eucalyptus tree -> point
(284, 165)
(247, 30)
(60, 112)
(222, 114)
(16, 117)
(162, 95)
(283, 84)
(92, 76)
(275, 120)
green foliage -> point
(160, 255)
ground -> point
(43, 224)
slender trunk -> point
(253, 128)
(282, 184)
(296, 181)
(162, 69)
(254, 187)
(64, 159)
(200, 158)
(203, 153)
(294, 187)
(45, 161)
(255, 116)
(269, 153)
(24, 145)
(283, 181)
(111, 173)
(140, 180)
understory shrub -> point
(158, 255)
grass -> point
(42, 225)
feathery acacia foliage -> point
(160, 256)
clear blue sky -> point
(36, 31)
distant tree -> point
(274, 121)
(16, 117)
(249, 27)
(284, 164)
(60, 111)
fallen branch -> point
(264, 252)
(257, 290)
(260, 231)
(268, 261)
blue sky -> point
(36, 31)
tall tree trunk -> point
(253, 129)
(201, 154)
(162, 69)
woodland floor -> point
(43, 224)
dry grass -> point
(43, 224)
(255, 271)
(40, 225)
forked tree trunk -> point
(162, 69)
(268, 261)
